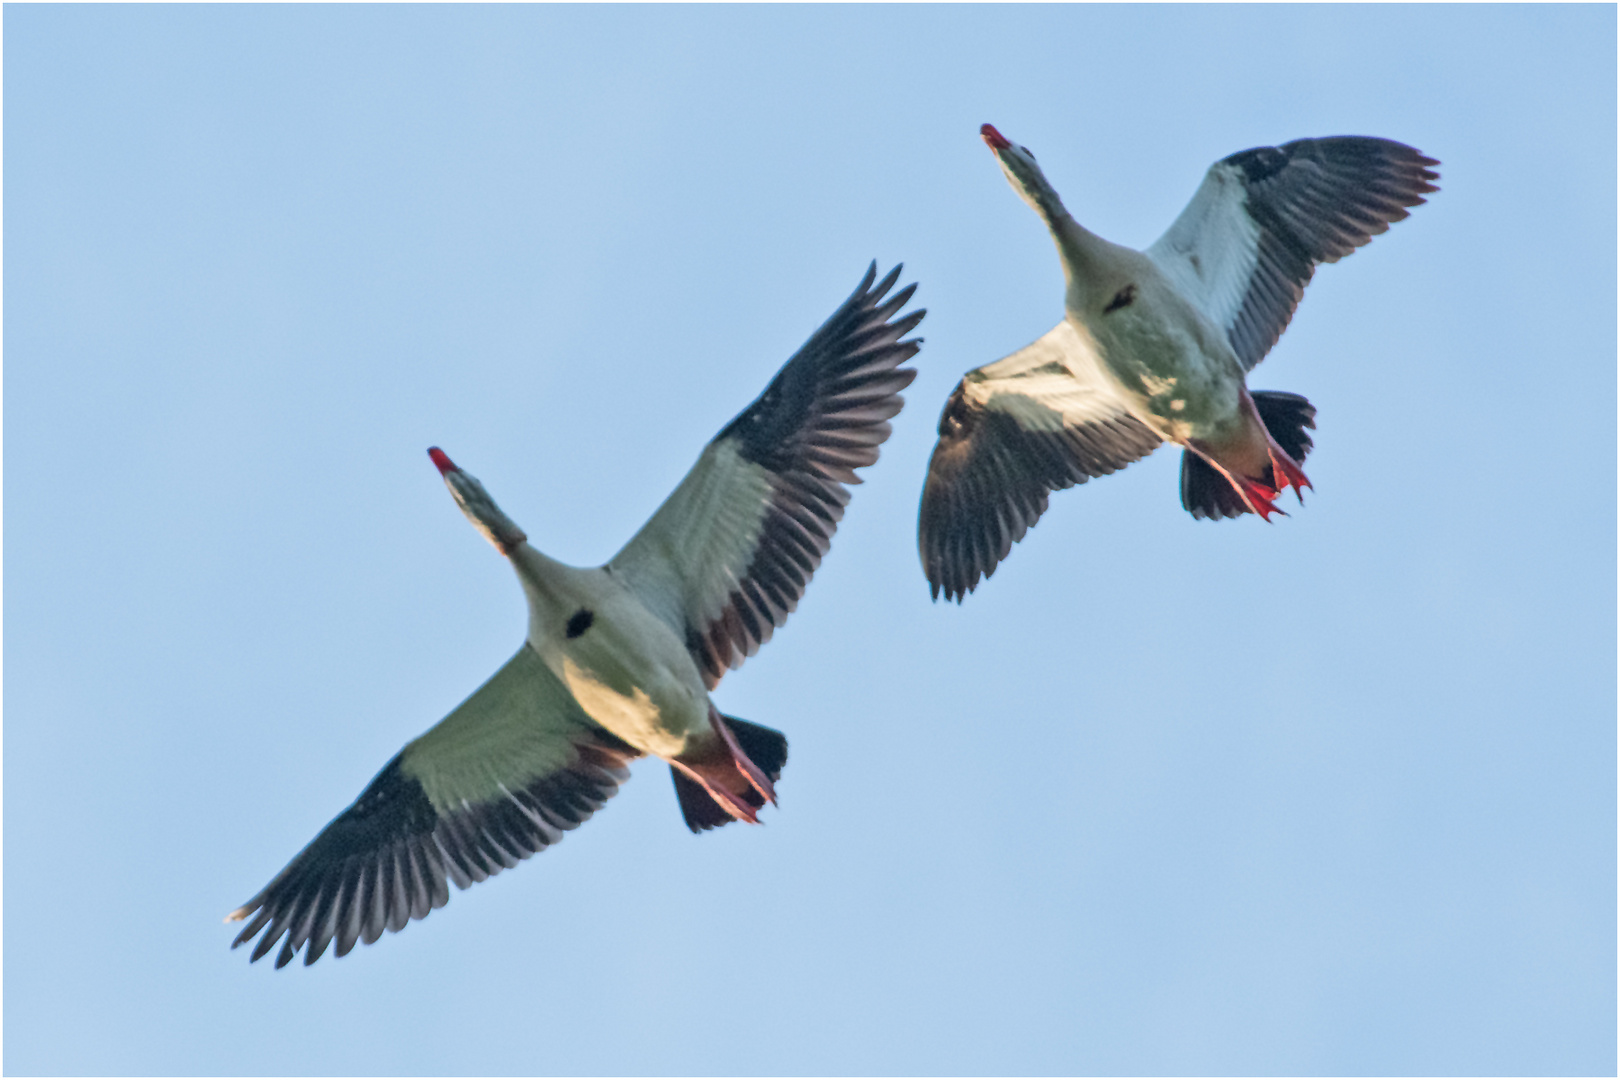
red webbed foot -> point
(1259, 496)
(1288, 473)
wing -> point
(506, 774)
(726, 558)
(1246, 246)
(1043, 419)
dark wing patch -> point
(579, 622)
(989, 477)
(1316, 201)
(385, 860)
(1124, 298)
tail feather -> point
(698, 807)
(1205, 493)
(764, 747)
(1286, 416)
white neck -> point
(481, 510)
(555, 589)
(1090, 263)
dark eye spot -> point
(1121, 299)
(579, 622)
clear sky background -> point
(1335, 794)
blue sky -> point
(1335, 794)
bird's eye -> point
(1028, 151)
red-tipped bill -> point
(442, 460)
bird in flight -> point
(619, 659)
(1155, 346)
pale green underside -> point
(688, 558)
(519, 726)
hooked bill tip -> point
(442, 460)
(993, 138)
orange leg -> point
(761, 783)
(720, 768)
(730, 803)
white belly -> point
(647, 710)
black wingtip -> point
(949, 579)
(867, 278)
(888, 279)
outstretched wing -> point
(726, 558)
(1246, 246)
(1040, 420)
(503, 776)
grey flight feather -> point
(1293, 207)
(759, 509)
(503, 776)
(1040, 420)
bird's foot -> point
(1256, 495)
(1285, 471)
(1288, 473)
(1259, 496)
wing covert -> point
(1247, 245)
(1040, 420)
(727, 556)
(503, 776)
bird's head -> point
(1023, 174)
(475, 502)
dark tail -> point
(766, 748)
(1205, 493)
(1286, 416)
